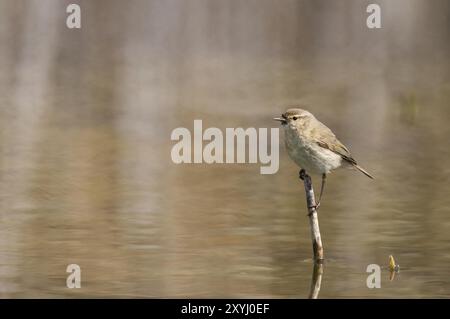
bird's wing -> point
(326, 139)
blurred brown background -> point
(85, 169)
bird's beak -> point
(280, 119)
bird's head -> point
(294, 118)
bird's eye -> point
(295, 118)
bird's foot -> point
(302, 174)
(317, 206)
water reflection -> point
(316, 280)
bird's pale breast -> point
(309, 155)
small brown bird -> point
(313, 146)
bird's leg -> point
(324, 179)
(302, 174)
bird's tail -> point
(362, 170)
